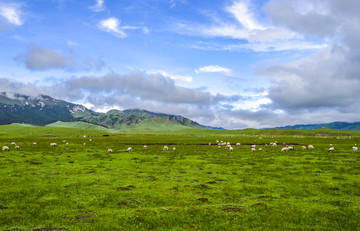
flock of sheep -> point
(219, 143)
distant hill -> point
(333, 125)
(45, 110)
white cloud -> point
(251, 33)
(174, 77)
(99, 6)
(212, 69)
(111, 25)
(240, 10)
(12, 13)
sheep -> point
(17, 147)
(231, 149)
(331, 149)
(174, 148)
(253, 149)
(34, 143)
(227, 146)
(303, 148)
(13, 143)
(64, 141)
(355, 149)
(84, 144)
(90, 140)
(5, 148)
(260, 149)
(109, 150)
(129, 149)
(291, 148)
(285, 149)
(166, 148)
(67, 144)
(53, 144)
(219, 146)
(310, 146)
(274, 145)
(209, 144)
(238, 144)
(253, 146)
(145, 147)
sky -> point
(234, 64)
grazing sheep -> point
(253, 146)
(227, 146)
(238, 144)
(84, 144)
(355, 149)
(174, 148)
(13, 143)
(260, 149)
(67, 144)
(5, 148)
(231, 149)
(34, 143)
(291, 148)
(331, 149)
(53, 144)
(109, 150)
(17, 147)
(219, 146)
(285, 149)
(209, 144)
(64, 141)
(217, 141)
(310, 146)
(166, 148)
(90, 140)
(129, 149)
(303, 148)
(274, 145)
(145, 147)
(253, 149)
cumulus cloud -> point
(326, 82)
(212, 69)
(38, 58)
(99, 6)
(112, 25)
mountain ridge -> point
(44, 110)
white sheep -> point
(355, 149)
(231, 149)
(166, 148)
(145, 147)
(253, 149)
(260, 149)
(291, 148)
(5, 148)
(129, 149)
(238, 144)
(310, 146)
(109, 150)
(34, 143)
(253, 146)
(303, 148)
(331, 149)
(285, 149)
(13, 143)
(53, 144)
(17, 147)
(174, 148)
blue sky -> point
(232, 63)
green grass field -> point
(195, 187)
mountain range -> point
(46, 111)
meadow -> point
(196, 187)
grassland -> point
(196, 187)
